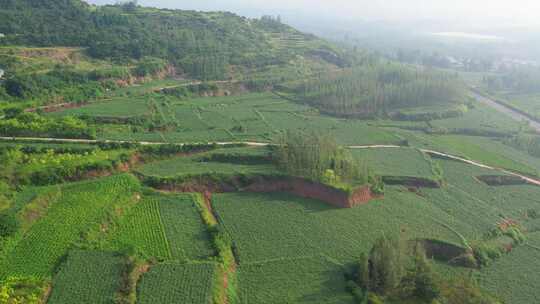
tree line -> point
(378, 89)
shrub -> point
(8, 225)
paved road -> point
(510, 112)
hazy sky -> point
(517, 12)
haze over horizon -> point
(480, 14)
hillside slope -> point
(203, 45)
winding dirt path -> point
(265, 144)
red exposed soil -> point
(297, 186)
(308, 189)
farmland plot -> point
(80, 207)
(276, 226)
(514, 277)
(482, 117)
(186, 233)
(175, 283)
(142, 228)
(117, 107)
(509, 201)
(90, 277)
(193, 165)
(315, 280)
(396, 162)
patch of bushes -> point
(28, 290)
(8, 225)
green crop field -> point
(186, 234)
(117, 107)
(167, 227)
(481, 117)
(510, 201)
(254, 117)
(172, 284)
(142, 228)
(87, 277)
(396, 161)
(79, 207)
(302, 227)
(514, 278)
(315, 280)
(132, 137)
(197, 165)
(483, 149)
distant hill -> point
(204, 45)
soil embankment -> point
(266, 184)
(449, 253)
(501, 180)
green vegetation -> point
(315, 279)
(172, 283)
(79, 207)
(379, 90)
(319, 158)
(405, 162)
(34, 125)
(527, 143)
(141, 228)
(186, 233)
(218, 163)
(49, 167)
(171, 88)
(203, 45)
(303, 227)
(87, 277)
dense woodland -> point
(379, 89)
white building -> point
(1, 73)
